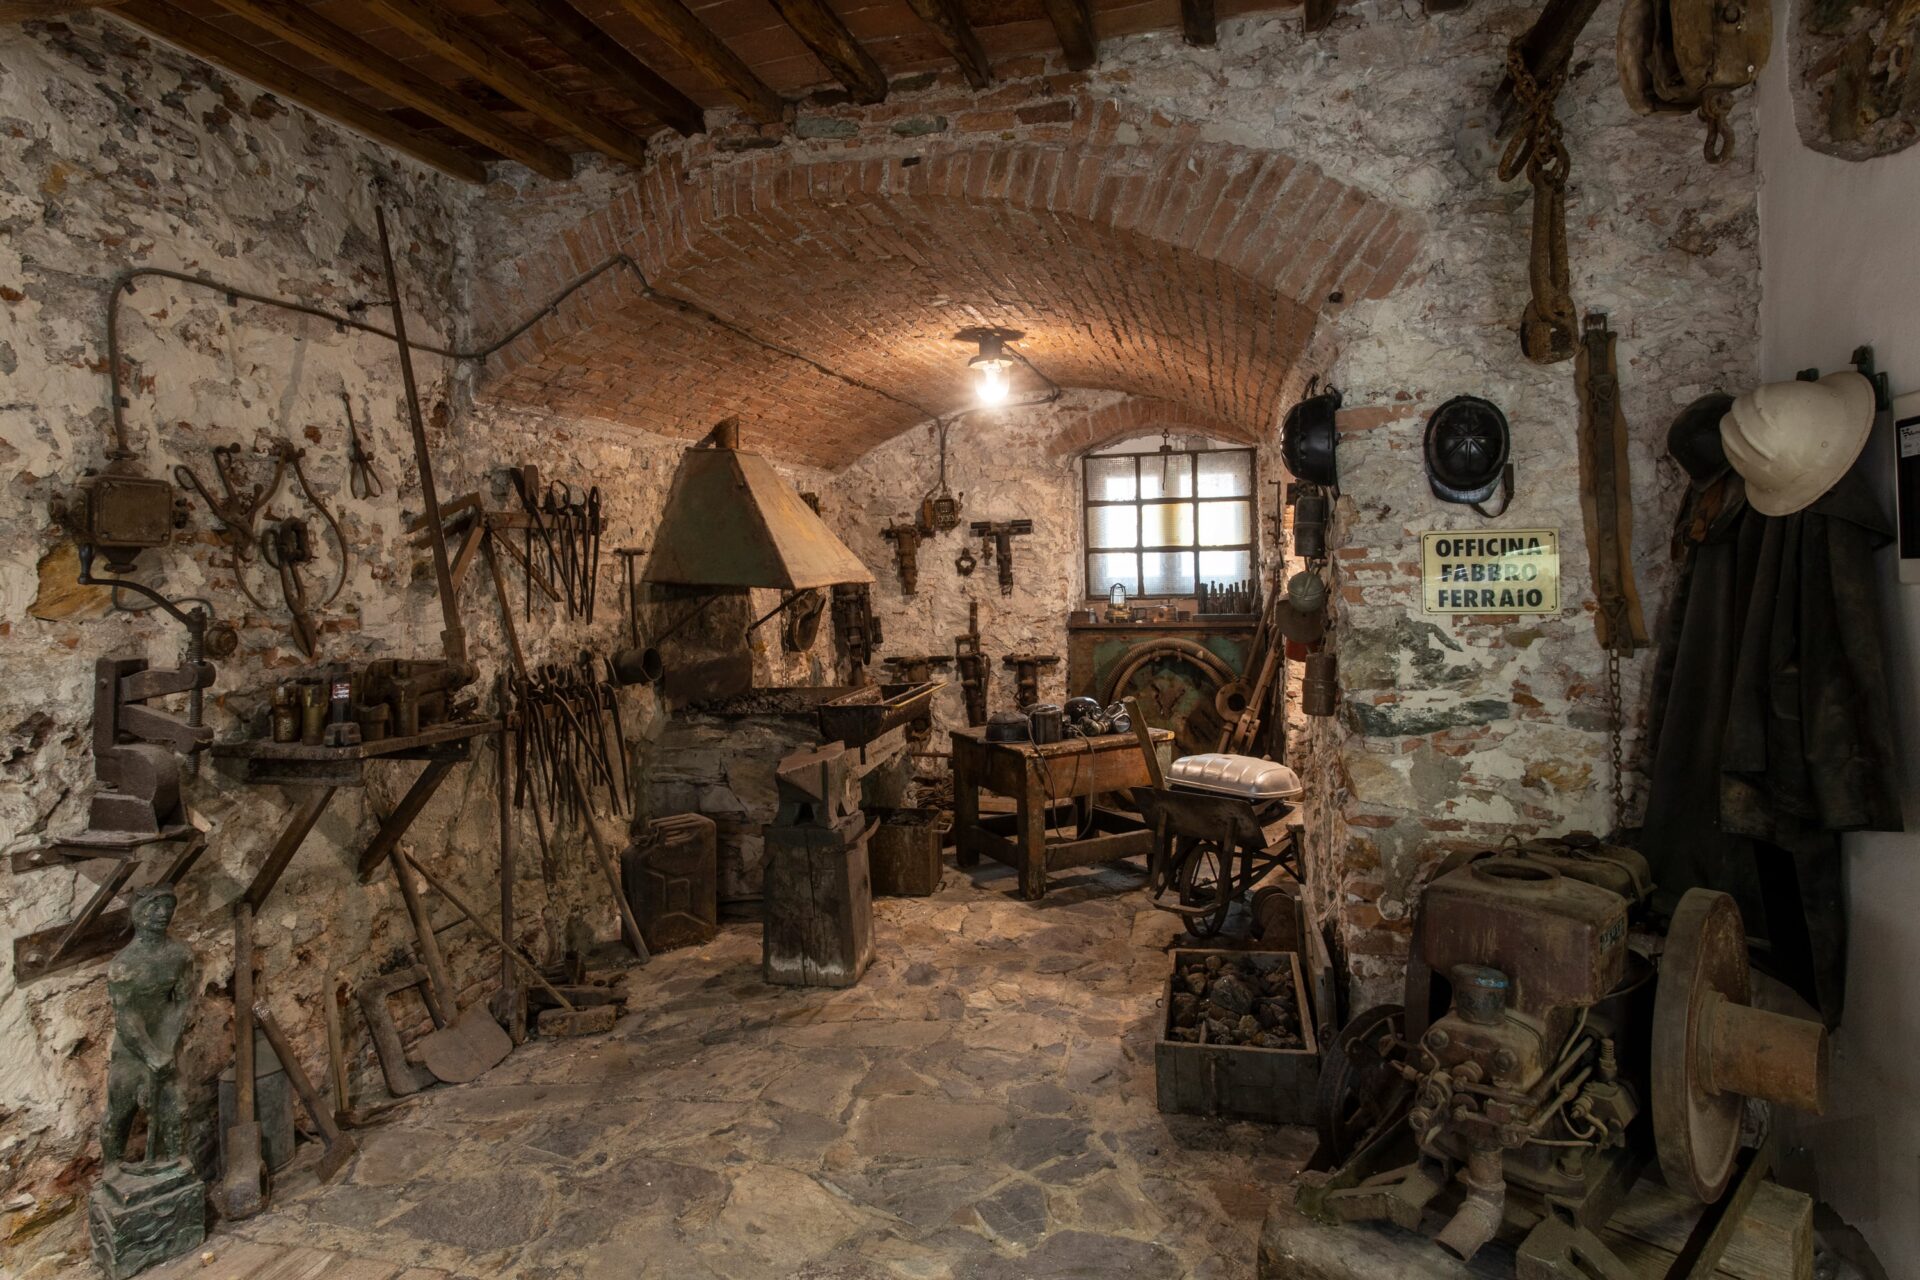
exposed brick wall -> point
(1135, 254)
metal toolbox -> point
(1239, 1082)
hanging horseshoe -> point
(964, 563)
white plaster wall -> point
(1840, 266)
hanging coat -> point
(1772, 732)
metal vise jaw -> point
(136, 748)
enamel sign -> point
(1512, 571)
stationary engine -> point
(1543, 1057)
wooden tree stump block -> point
(819, 904)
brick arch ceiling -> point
(1192, 273)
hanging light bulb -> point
(991, 367)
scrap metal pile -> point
(1232, 1002)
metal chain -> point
(1613, 734)
(1547, 328)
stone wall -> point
(1005, 464)
(117, 153)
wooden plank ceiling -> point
(461, 83)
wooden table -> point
(1034, 777)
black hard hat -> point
(1694, 437)
(1467, 443)
(1307, 437)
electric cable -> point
(124, 282)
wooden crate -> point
(1238, 1082)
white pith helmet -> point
(1792, 441)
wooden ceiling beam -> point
(1073, 23)
(1197, 23)
(28, 10)
(822, 31)
(581, 39)
(690, 40)
(955, 30)
(304, 29)
(210, 44)
(452, 39)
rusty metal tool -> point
(579, 1016)
(463, 1046)
(402, 1076)
(998, 536)
(243, 1182)
(362, 480)
(340, 1147)
(453, 638)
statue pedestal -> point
(139, 1215)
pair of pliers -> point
(362, 480)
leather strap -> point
(1606, 497)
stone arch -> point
(1171, 268)
(1139, 415)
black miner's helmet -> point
(1466, 449)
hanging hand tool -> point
(453, 637)
(237, 510)
(1547, 332)
(999, 536)
(362, 480)
(285, 549)
(906, 537)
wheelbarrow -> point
(1211, 822)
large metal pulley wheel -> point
(1361, 1088)
(1697, 1131)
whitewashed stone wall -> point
(115, 152)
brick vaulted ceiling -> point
(1168, 267)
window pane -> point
(1114, 526)
(1166, 524)
(1166, 475)
(1105, 570)
(1226, 475)
(1225, 524)
(1225, 566)
(1109, 479)
(1169, 573)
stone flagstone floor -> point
(979, 1107)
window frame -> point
(1193, 502)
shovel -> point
(465, 1046)
(242, 1185)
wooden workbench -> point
(1035, 777)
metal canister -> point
(286, 712)
(313, 712)
(1310, 513)
(1046, 722)
(1320, 686)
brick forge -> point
(1135, 256)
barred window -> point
(1163, 522)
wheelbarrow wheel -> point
(1205, 882)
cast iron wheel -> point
(1205, 881)
(1360, 1089)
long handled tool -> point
(243, 1185)
(576, 1019)
(340, 1148)
(462, 1046)
(453, 638)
